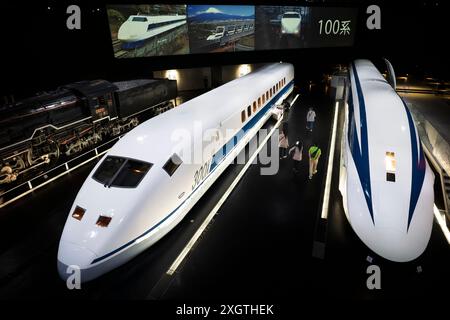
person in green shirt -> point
(314, 153)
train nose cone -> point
(398, 246)
(72, 257)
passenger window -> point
(243, 116)
(259, 102)
(172, 164)
(267, 95)
(263, 99)
(271, 92)
(274, 90)
(254, 106)
(249, 111)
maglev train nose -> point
(399, 246)
(71, 257)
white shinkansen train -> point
(291, 23)
(138, 28)
(141, 188)
(385, 180)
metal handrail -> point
(68, 166)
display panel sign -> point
(155, 30)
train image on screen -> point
(221, 28)
(223, 31)
(291, 23)
(138, 28)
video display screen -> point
(221, 28)
(292, 27)
(148, 30)
(160, 30)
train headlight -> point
(103, 221)
(390, 161)
(390, 166)
(78, 213)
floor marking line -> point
(326, 196)
(442, 223)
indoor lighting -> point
(172, 74)
(243, 70)
(390, 161)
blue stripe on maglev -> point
(233, 141)
(418, 166)
(360, 154)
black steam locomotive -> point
(36, 133)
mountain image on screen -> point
(199, 13)
(218, 16)
(221, 28)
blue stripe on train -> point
(360, 150)
(231, 143)
(418, 166)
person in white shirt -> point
(310, 118)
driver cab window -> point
(121, 172)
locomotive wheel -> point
(54, 154)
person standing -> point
(283, 144)
(296, 152)
(285, 128)
(286, 107)
(314, 155)
(310, 119)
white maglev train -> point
(385, 180)
(141, 189)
